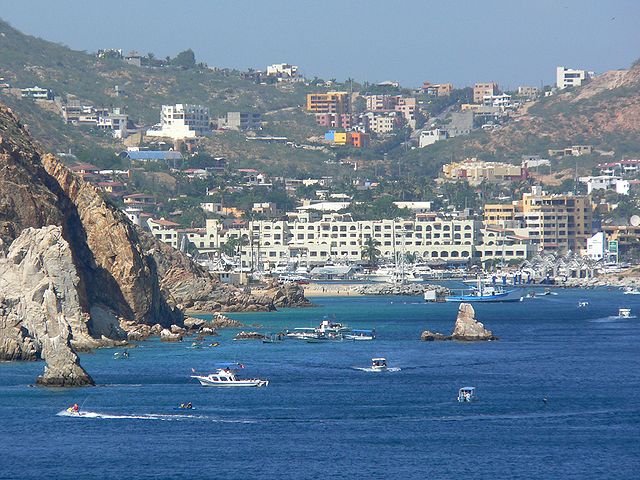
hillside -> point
(28, 61)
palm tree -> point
(370, 251)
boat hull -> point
(206, 382)
(510, 296)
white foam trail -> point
(369, 369)
(146, 416)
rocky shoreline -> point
(76, 274)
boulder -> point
(249, 336)
(467, 328)
(428, 336)
(167, 335)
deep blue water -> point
(321, 419)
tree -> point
(186, 59)
(370, 251)
(230, 247)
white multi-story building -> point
(282, 70)
(605, 182)
(381, 122)
(182, 121)
(569, 77)
(429, 137)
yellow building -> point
(330, 102)
(475, 171)
(340, 138)
(552, 222)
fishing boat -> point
(273, 337)
(360, 335)
(624, 312)
(226, 377)
(467, 394)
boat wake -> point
(369, 369)
(149, 416)
(612, 318)
(109, 416)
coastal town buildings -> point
(240, 121)
(569, 77)
(36, 93)
(605, 182)
(481, 90)
(330, 102)
(437, 89)
(476, 171)
(182, 121)
(552, 222)
(282, 70)
(429, 137)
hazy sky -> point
(511, 41)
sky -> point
(513, 42)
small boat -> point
(214, 344)
(379, 364)
(185, 406)
(467, 394)
(632, 291)
(226, 377)
(273, 338)
(360, 335)
(624, 312)
(583, 304)
(121, 355)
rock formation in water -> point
(467, 328)
(40, 311)
(102, 277)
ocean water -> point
(320, 418)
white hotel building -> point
(182, 121)
(339, 238)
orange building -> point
(359, 140)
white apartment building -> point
(182, 121)
(282, 70)
(569, 77)
(380, 123)
(605, 182)
(429, 137)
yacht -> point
(226, 377)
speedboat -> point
(632, 291)
(467, 394)
(379, 364)
(226, 377)
(360, 335)
(121, 355)
(583, 304)
(624, 312)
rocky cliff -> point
(83, 279)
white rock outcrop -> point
(41, 315)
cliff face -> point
(79, 280)
(40, 311)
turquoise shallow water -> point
(320, 418)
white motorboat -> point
(631, 291)
(226, 377)
(624, 312)
(379, 364)
(467, 394)
(583, 304)
(361, 335)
